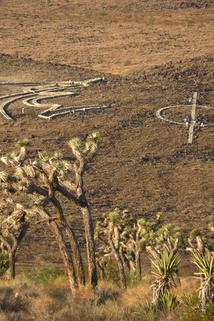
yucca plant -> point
(203, 258)
(169, 302)
(165, 263)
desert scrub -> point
(44, 274)
(189, 309)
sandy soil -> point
(153, 53)
(111, 36)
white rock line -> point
(12, 99)
(50, 113)
(18, 84)
(33, 97)
(37, 102)
(160, 113)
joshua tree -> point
(140, 234)
(139, 237)
(83, 153)
(52, 168)
(203, 258)
(12, 231)
(134, 236)
(165, 262)
(38, 180)
(45, 177)
(111, 231)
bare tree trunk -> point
(73, 241)
(116, 251)
(121, 270)
(102, 270)
(157, 296)
(88, 225)
(66, 256)
(11, 272)
(90, 245)
(65, 253)
(206, 294)
(76, 255)
(138, 265)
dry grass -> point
(136, 295)
(22, 300)
(187, 285)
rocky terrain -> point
(152, 54)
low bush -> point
(44, 274)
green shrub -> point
(189, 309)
(169, 302)
(44, 274)
(106, 293)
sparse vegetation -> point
(39, 180)
(122, 230)
(121, 240)
(203, 258)
(165, 264)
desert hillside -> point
(152, 54)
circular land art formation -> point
(193, 116)
(181, 115)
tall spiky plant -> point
(203, 258)
(165, 263)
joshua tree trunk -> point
(11, 243)
(65, 252)
(72, 240)
(88, 225)
(102, 270)
(206, 294)
(66, 256)
(82, 203)
(90, 245)
(11, 272)
(76, 255)
(138, 264)
(114, 242)
(203, 299)
(121, 270)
